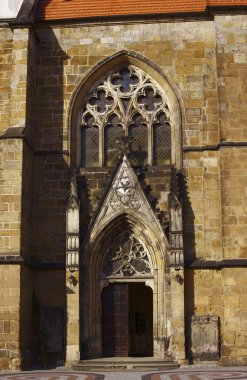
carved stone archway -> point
(125, 209)
(154, 258)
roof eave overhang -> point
(207, 13)
(185, 16)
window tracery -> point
(126, 257)
(127, 101)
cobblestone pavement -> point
(180, 374)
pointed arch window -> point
(126, 101)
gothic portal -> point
(125, 209)
(139, 110)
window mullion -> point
(150, 144)
(101, 146)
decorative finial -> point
(124, 144)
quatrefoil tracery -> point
(125, 81)
(124, 93)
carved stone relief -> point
(125, 193)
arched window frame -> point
(110, 87)
(174, 101)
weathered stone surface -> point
(4, 363)
(205, 63)
(204, 340)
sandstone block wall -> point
(10, 316)
(15, 194)
(6, 44)
(231, 35)
(206, 63)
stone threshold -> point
(125, 364)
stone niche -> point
(203, 339)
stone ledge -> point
(212, 264)
(17, 259)
(224, 144)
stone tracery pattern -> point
(127, 102)
(126, 257)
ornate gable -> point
(125, 195)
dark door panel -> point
(115, 320)
(140, 320)
(127, 320)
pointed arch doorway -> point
(126, 301)
(127, 247)
(127, 320)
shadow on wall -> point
(189, 256)
(45, 185)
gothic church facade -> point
(123, 181)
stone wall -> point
(205, 61)
(10, 196)
(231, 35)
(6, 45)
(15, 199)
(202, 208)
(9, 316)
(234, 329)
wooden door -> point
(140, 320)
(115, 320)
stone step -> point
(122, 364)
